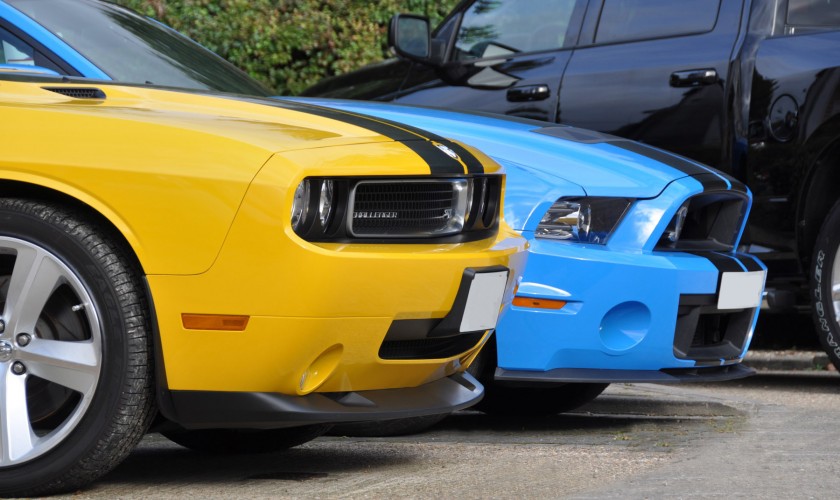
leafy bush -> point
(289, 44)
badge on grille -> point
(375, 215)
(449, 152)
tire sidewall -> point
(822, 263)
(85, 437)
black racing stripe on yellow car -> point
(473, 165)
(418, 140)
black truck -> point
(751, 87)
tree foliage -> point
(289, 44)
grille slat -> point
(405, 208)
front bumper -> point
(319, 313)
(255, 410)
(625, 314)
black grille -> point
(707, 334)
(712, 222)
(433, 348)
(78, 92)
(402, 208)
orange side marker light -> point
(538, 303)
(214, 322)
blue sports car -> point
(633, 273)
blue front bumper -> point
(630, 309)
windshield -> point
(133, 49)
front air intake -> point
(711, 221)
(397, 209)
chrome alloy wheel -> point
(50, 351)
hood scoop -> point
(78, 92)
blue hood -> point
(543, 162)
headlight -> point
(583, 220)
(325, 203)
(300, 205)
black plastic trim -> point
(163, 395)
(264, 410)
(583, 375)
(436, 338)
(706, 334)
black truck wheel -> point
(825, 285)
(75, 376)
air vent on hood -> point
(78, 92)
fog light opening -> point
(320, 370)
(625, 326)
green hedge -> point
(289, 44)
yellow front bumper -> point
(318, 314)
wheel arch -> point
(820, 190)
(18, 189)
(30, 191)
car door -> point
(654, 71)
(502, 56)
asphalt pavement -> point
(773, 435)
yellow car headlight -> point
(300, 205)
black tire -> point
(386, 428)
(825, 272)
(89, 310)
(236, 441)
(509, 400)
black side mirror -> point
(409, 36)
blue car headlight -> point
(583, 219)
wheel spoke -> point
(34, 278)
(835, 292)
(16, 436)
(74, 365)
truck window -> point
(813, 13)
(495, 28)
(626, 20)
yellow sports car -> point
(246, 270)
